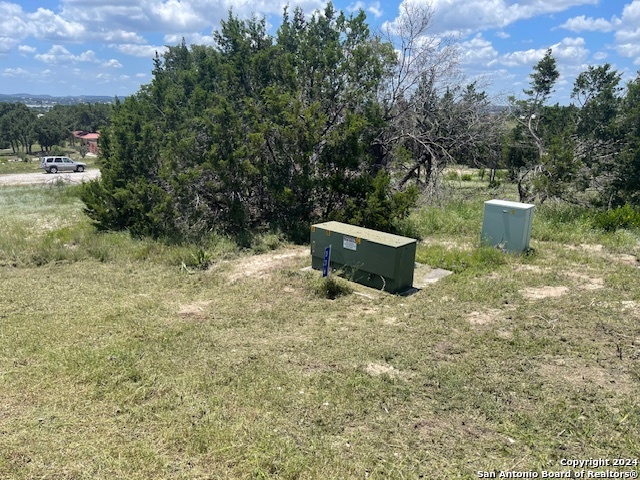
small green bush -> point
(466, 177)
(267, 242)
(624, 217)
(331, 287)
(57, 150)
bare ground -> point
(41, 178)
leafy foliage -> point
(586, 154)
(258, 132)
(17, 126)
(623, 217)
(20, 128)
(529, 114)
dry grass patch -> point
(601, 252)
(585, 281)
(266, 264)
(194, 310)
(486, 317)
(540, 293)
(531, 269)
(375, 369)
(579, 376)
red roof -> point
(86, 135)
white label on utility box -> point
(349, 243)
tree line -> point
(326, 120)
(261, 131)
(586, 153)
(21, 127)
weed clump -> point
(331, 287)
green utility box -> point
(507, 225)
(375, 259)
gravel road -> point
(41, 178)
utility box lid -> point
(507, 225)
(365, 233)
(377, 259)
(510, 204)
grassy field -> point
(131, 359)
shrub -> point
(331, 287)
(623, 217)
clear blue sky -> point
(105, 47)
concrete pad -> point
(424, 275)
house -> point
(88, 139)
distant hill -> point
(48, 101)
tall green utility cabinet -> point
(369, 257)
(507, 225)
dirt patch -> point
(447, 428)
(539, 293)
(580, 376)
(377, 369)
(631, 307)
(367, 310)
(486, 317)
(530, 269)
(593, 248)
(259, 266)
(586, 282)
(44, 178)
(504, 334)
(391, 321)
(195, 310)
(623, 258)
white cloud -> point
(372, 8)
(522, 58)
(15, 72)
(142, 51)
(466, 16)
(113, 63)
(628, 35)
(179, 15)
(44, 24)
(375, 9)
(582, 23)
(630, 50)
(120, 36)
(190, 39)
(56, 54)
(569, 51)
(26, 49)
(477, 51)
(599, 56)
(88, 56)
(59, 55)
(13, 28)
(503, 35)
(174, 16)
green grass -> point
(129, 358)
